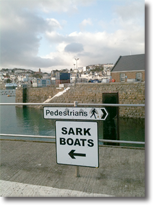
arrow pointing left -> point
(72, 154)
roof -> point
(130, 63)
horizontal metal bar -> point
(35, 104)
(111, 105)
(120, 141)
(31, 136)
(79, 104)
(53, 137)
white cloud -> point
(45, 5)
(134, 10)
(86, 22)
(53, 23)
(130, 15)
(100, 47)
(21, 34)
(23, 27)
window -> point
(122, 77)
(138, 76)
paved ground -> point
(15, 189)
(29, 169)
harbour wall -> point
(35, 95)
(129, 93)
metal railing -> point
(53, 137)
(77, 104)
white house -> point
(107, 69)
(12, 77)
(1, 77)
(84, 69)
(18, 71)
(23, 78)
(80, 69)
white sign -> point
(77, 143)
(75, 113)
(61, 85)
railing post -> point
(77, 174)
(77, 171)
(75, 103)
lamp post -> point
(76, 64)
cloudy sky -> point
(50, 34)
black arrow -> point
(104, 113)
(72, 154)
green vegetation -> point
(97, 69)
(37, 75)
(8, 81)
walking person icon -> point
(94, 112)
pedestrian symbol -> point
(93, 112)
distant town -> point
(130, 68)
(21, 77)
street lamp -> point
(76, 62)
(76, 65)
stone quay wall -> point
(129, 93)
(36, 95)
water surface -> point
(30, 121)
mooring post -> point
(77, 167)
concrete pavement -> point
(15, 189)
(29, 169)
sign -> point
(61, 85)
(75, 113)
(77, 143)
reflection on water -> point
(30, 121)
(132, 130)
(7, 114)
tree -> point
(8, 81)
(37, 75)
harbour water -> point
(30, 121)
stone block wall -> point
(129, 93)
(19, 95)
(36, 95)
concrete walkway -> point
(15, 189)
(29, 169)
